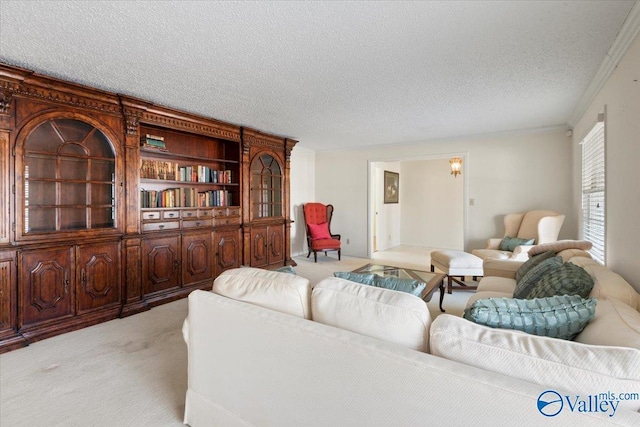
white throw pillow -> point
(283, 292)
(615, 324)
(567, 366)
(380, 313)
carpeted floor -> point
(126, 372)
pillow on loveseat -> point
(533, 276)
(411, 286)
(556, 317)
(510, 243)
(569, 279)
(531, 263)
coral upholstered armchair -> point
(317, 218)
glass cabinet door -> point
(266, 187)
(69, 178)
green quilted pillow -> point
(365, 279)
(414, 287)
(532, 262)
(556, 317)
(510, 243)
(533, 276)
(569, 279)
(286, 269)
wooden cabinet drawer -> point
(191, 213)
(205, 213)
(160, 226)
(196, 223)
(226, 221)
(146, 215)
(170, 214)
(233, 211)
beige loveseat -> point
(264, 349)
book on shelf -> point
(152, 141)
(184, 198)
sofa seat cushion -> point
(557, 317)
(492, 254)
(615, 324)
(497, 284)
(380, 313)
(283, 292)
(561, 365)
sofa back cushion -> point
(615, 324)
(380, 313)
(561, 365)
(607, 283)
(283, 292)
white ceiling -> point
(330, 74)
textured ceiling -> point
(330, 74)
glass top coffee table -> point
(433, 280)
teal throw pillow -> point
(533, 276)
(414, 287)
(570, 279)
(532, 262)
(365, 279)
(286, 269)
(556, 317)
(510, 243)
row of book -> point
(153, 142)
(184, 198)
(158, 169)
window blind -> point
(593, 189)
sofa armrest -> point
(493, 244)
(501, 268)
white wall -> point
(505, 173)
(389, 214)
(432, 204)
(303, 182)
(621, 95)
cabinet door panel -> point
(227, 250)
(196, 255)
(45, 285)
(276, 244)
(161, 264)
(99, 282)
(259, 244)
(7, 293)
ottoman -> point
(456, 265)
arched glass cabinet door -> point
(69, 178)
(266, 187)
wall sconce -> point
(456, 166)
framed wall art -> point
(391, 187)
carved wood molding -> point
(5, 100)
(53, 95)
(289, 144)
(187, 125)
(252, 140)
(132, 120)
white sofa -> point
(266, 351)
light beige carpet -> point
(126, 372)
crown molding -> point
(626, 35)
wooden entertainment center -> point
(95, 225)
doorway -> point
(430, 211)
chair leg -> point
(308, 254)
(338, 254)
(315, 256)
